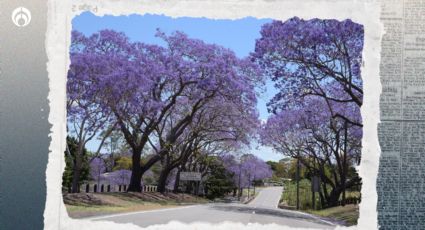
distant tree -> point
(292, 171)
(246, 169)
(272, 165)
(114, 144)
(219, 182)
(97, 168)
(150, 177)
(279, 169)
(70, 161)
(119, 177)
(122, 163)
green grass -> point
(251, 192)
(348, 213)
(289, 195)
(252, 195)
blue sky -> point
(238, 35)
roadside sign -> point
(190, 176)
(315, 184)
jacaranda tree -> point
(313, 57)
(219, 123)
(97, 168)
(87, 117)
(245, 169)
(327, 147)
(137, 86)
(315, 65)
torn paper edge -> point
(60, 14)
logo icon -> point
(21, 16)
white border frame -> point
(60, 14)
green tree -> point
(72, 146)
(280, 169)
(122, 163)
(292, 172)
(219, 181)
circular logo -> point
(21, 16)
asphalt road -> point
(263, 210)
(267, 198)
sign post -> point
(315, 187)
(191, 176)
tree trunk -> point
(333, 198)
(75, 179)
(322, 199)
(76, 172)
(162, 180)
(136, 173)
(344, 163)
(177, 182)
(189, 187)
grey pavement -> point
(267, 197)
(263, 210)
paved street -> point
(267, 198)
(263, 209)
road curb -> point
(135, 213)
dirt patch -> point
(85, 199)
(284, 205)
(118, 198)
(93, 204)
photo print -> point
(250, 121)
(161, 115)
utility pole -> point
(298, 180)
(239, 186)
(315, 187)
(344, 160)
(249, 184)
(253, 184)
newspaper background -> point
(401, 178)
(60, 14)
